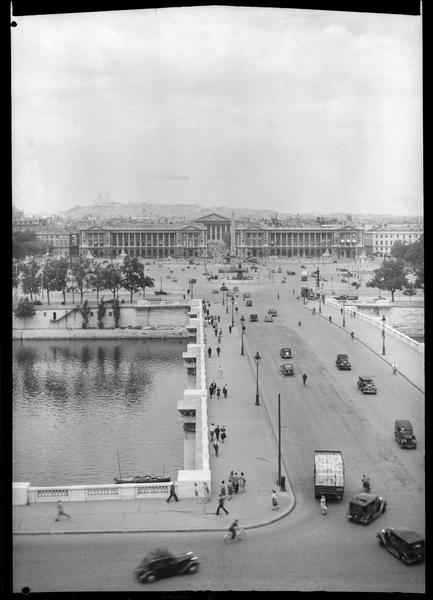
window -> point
(110, 314)
(91, 313)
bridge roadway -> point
(328, 413)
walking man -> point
(216, 446)
(220, 372)
(218, 392)
(225, 391)
(217, 432)
(212, 431)
(221, 506)
(218, 351)
(223, 434)
(206, 492)
(275, 503)
(173, 492)
(330, 319)
(60, 511)
(235, 480)
(230, 328)
(304, 378)
(209, 351)
(210, 390)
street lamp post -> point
(223, 296)
(242, 334)
(383, 335)
(227, 303)
(257, 360)
(233, 303)
(344, 313)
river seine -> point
(78, 405)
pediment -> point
(213, 217)
(95, 228)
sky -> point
(293, 110)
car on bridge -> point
(283, 280)
(272, 312)
(343, 362)
(409, 291)
(254, 318)
(160, 563)
(366, 384)
(365, 508)
(224, 288)
(291, 272)
(286, 352)
(404, 543)
(287, 369)
(248, 302)
(403, 433)
(268, 319)
(246, 295)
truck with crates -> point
(328, 474)
(304, 276)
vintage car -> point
(254, 318)
(174, 279)
(246, 295)
(409, 292)
(224, 288)
(355, 284)
(366, 385)
(273, 312)
(286, 352)
(236, 289)
(287, 369)
(291, 272)
(215, 291)
(283, 280)
(160, 292)
(248, 302)
(365, 508)
(405, 544)
(343, 363)
(268, 318)
(342, 297)
(161, 563)
(403, 433)
(352, 297)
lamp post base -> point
(257, 400)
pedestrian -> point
(219, 318)
(196, 496)
(221, 506)
(223, 434)
(229, 490)
(242, 482)
(236, 308)
(216, 331)
(341, 310)
(60, 511)
(220, 372)
(217, 432)
(218, 392)
(304, 378)
(293, 291)
(230, 328)
(275, 503)
(219, 339)
(278, 296)
(206, 492)
(225, 391)
(216, 446)
(173, 492)
(236, 482)
(210, 390)
(223, 489)
(218, 351)
(211, 431)
(209, 351)
(330, 319)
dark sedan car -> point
(365, 508)
(343, 362)
(286, 352)
(162, 563)
(405, 544)
(287, 369)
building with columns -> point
(200, 237)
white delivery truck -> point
(328, 474)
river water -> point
(76, 404)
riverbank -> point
(105, 334)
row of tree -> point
(78, 276)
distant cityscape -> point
(184, 231)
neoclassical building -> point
(198, 238)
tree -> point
(80, 269)
(48, 274)
(31, 277)
(61, 272)
(25, 309)
(112, 278)
(390, 276)
(97, 276)
(116, 312)
(101, 312)
(133, 274)
(398, 249)
(415, 258)
(25, 243)
(85, 310)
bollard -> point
(282, 483)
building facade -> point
(379, 241)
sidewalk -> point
(249, 447)
(409, 362)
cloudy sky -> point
(292, 110)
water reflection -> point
(77, 403)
